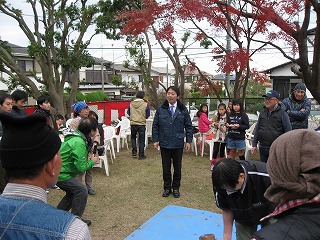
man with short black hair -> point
(30, 154)
(19, 98)
(239, 187)
(172, 131)
(43, 108)
(138, 111)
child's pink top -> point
(203, 123)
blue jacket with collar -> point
(171, 131)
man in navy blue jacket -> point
(171, 125)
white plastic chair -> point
(191, 116)
(249, 138)
(193, 143)
(104, 160)
(149, 123)
(209, 142)
(124, 132)
(109, 135)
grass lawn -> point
(132, 193)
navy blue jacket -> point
(298, 118)
(171, 132)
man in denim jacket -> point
(30, 155)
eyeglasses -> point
(269, 99)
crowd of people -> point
(281, 192)
(47, 162)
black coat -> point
(299, 223)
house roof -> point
(120, 67)
(163, 70)
(277, 67)
(196, 72)
(100, 61)
(19, 50)
(222, 76)
(128, 90)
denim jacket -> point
(27, 218)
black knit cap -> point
(27, 141)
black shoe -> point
(91, 191)
(88, 222)
(166, 193)
(142, 157)
(176, 193)
(134, 152)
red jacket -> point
(203, 123)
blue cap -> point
(78, 106)
(272, 93)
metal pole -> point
(102, 79)
(167, 74)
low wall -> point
(106, 110)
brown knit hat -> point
(294, 165)
(27, 141)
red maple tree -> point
(262, 22)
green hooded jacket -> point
(74, 155)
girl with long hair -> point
(237, 123)
(219, 121)
(203, 120)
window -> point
(22, 65)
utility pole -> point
(102, 79)
(167, 74)
(228, 48)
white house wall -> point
(285, 70)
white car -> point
(192, 110)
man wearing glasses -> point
(239, 187)
(272, 122)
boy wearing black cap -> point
(298, 107)
(30, 155)
(272, 122)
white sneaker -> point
(212, 166)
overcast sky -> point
(114, 50)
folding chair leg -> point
(112, 150)
(105, 163)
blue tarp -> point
(176, 222)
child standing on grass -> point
(203, 120)
(237, 123)
(219, 122)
